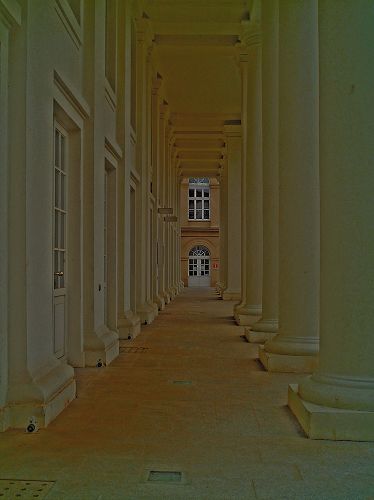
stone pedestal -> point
(337, 401)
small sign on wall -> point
(215, 265)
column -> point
(295, 347)
(233, 203)
(157, 82)
(223, 213)
(267, 327)
(337, 401)
(128, 323)
(250, 307)
(145, 308)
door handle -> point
(59, 273)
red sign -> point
(215, 265)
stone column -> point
(337, 401)
(295, 348)
(223, 212)
(267, 327)
(157, 82)
(233, 202)
(250, 307)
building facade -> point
(106, 106)
(199, 219)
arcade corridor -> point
(187, 395)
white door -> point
(59, 240)
(199, 267)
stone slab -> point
(321, 422)
(287, 364)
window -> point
(199, 261)
(198, 199)
(60, 206)
(111, 42)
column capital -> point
(251, 34)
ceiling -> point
(195, 52)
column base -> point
(262, 331)
(128, 326)
(255, 337)
(39, 401)
(146, 314)
(160, 302)
(322, 422)
(231, 294)
(166, 297)
(287, 363)
(246, 315)
(181, 285)
(101, 347)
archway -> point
(199, 266)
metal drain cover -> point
(15, 488)
(130, 350)
(165, 476)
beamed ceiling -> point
(195, 49)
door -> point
(59, 240)
(199, 266)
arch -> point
(199, 251)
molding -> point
(113, 149)
(72, 95)
(10, 13)
(110, 95)
(70, 22)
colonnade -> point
(88, 163)
(316, 171)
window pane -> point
(57, 148)
(62, 201)
(190, 214)
(198, 193)
(206, 214)
(206, 193)
(63, 152)
(57, 188)
(56, 228)
(199, 204)
(191, 204)
(62, 230)
(199, 214)
(206, 204)
(191, 193)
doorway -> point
(199, 266)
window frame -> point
(200, 200)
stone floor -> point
(187, 395)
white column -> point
(267, 327)
(128, 323)
(337, 402)
(295, 348)
(145, 309)
(250, 307)
(233, 203)
(156, 132)
(223, 243)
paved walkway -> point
(187, 405)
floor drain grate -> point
(182, 382)
(132, 350)
(165, 476)
(15, 488)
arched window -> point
(198, 199)
(199, 251)
(199, 263)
